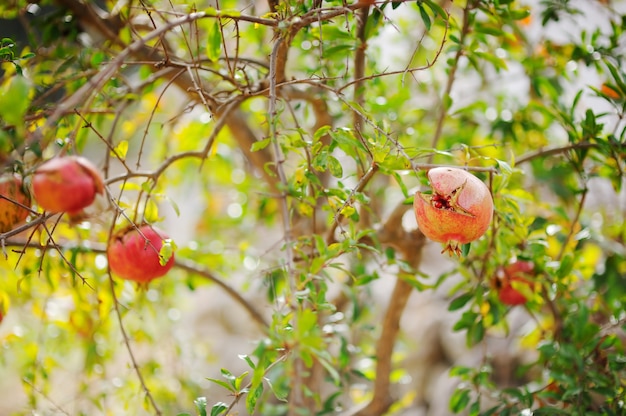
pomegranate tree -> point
(14, 201)
(135, 254)
(66, 184)
(457, 211)
(514, 282)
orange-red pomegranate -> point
(66, 184)
(13, 199)
(134, 255)
(514, 274)
(458, 211)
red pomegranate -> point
(134, 254)
(458, 211)
(13, 199)
(66, 184)
(511, 276)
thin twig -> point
(97, 81)
(129, 348)
(551, 151)
(52, 402)
(197, 269)
(365, 179)
(443, 110)
(572, 227)
(179, 263)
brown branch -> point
(183, 264)
(233, 118)
(359, 66)
(197, 269)
(551, 151)
(95, 83)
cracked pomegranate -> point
(66, 184)
(13, 200)
(135, 254)
(514, 282)
(458, 211)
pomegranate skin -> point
(514, 272)
(131, 257)
(11, 213)
(458, 211)
(66, 184)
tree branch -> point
(183, 264)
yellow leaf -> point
(120, 150)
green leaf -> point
(239, 380)
(460, 371)
(425, 17)
(460, 301)
(222, 383)
(14, 100)
(401, 184)
(321, 132)
(566, 266)
(201, 403)
(218, 409)
(436, 8)
(280, 395)
(248, 360)
(459, 400)
(261, 144)
(214, 41)
(252, 398)
(465, 249)
(167, 251)
(334, 166)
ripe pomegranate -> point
(458, 211)
(134, 254)
(514, 274)
(13, 199)
(66, 184)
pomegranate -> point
(458, 211)
(134, 254)
(511, 276)
(13, 200)
(66, 184)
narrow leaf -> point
(200, 403)
(214, 41)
